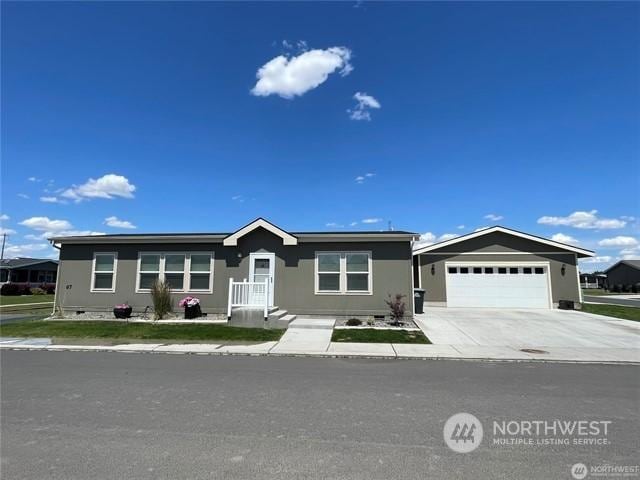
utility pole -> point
(4, 239)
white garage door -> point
(497, 286)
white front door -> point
(498, 285)
(262, 269)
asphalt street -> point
(81, 415)
(625, 302)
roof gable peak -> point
(232, 239)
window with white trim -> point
(343, 273)
(103, 276)
(184, 272)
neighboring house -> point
(500, 268)
(31, 271)
(306, 273)
(625, 272)
(593, 280)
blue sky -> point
(152, 115)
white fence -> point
(248, 294)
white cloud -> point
(27, 250)
(46, 224)
(334, 225)
(6, 231)
(603, 259)
(362, 178)
(34, 179)
(371, 220)
(364, 103)
(4, 217)
(429, 238)
(115, 222)
(51, 200)
(108, 186)
(493, 217)
(62, 233)
(585, 220)
(353, 224)
(630, 253)
(562, 238)
(480, 228)
(460, 227)
(23, 195)
(619, 241)
(288, 76)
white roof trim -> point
(287, 238)
(508, 231)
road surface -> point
(81, 415)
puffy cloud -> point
(562, 238)
(51, 200)
(46, 224)
(115, 222)
(585, 220)
(28, 250)
(4, 217)
(602, 259)
(460, 227)
(362, 178)
(289, 76)
(23, 195)
(6, 231)
(493, 217)
(619, 241)
(108, 186)
(429, 238)
(371, 220)
(334, 225)
(364, 103)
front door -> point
(262, 269)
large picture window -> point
(343, 273)
(103, 276)
(184, 272)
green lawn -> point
(144, 331)
(597, 292)
(19, 300)
(370, 335)
(618, 311)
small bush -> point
(37, 291)
(616, 288)
(161, 297)
(354, 322)
(50, 289)
(397, 307)
(11, 289)
(625, 288)
(26, 290)
(636, 287)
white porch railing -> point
(248, 294)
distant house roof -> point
(632, 263)
(429, 248)
(11, 263)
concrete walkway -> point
(305, 336)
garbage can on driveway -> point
(418, 300)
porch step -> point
(277, 314)
(314, 323)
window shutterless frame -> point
(112, 272)
(342, 272)
(187, 271)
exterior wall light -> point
(433, 269)
(563, 269)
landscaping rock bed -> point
(135, 317)
(371, 322)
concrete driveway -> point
(527, 328)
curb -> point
(108, 349)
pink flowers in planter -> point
(122, 305)
(189, 302)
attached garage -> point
(499, 268)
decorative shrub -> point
(354, 322)
(625, 288)
(11, 289)
(161, 297)
(616, 288)
(636, 288)
(397, 307)
(37, 291)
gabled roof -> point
(632, 263)
(486, 231)
(287, 238)
(20, 262)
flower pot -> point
(122, 312)
(192, 312)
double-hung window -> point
(184, 272)
(103, 277)
(343, 273)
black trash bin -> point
(418, 300)
(566, 305)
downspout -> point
(55, 293)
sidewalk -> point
(318, 347)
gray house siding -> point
(294, 275)
(507, 249)
(623, 274)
